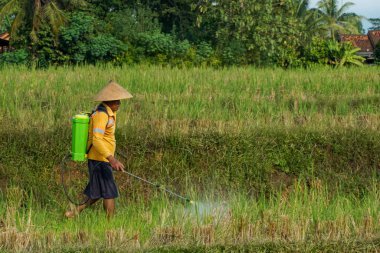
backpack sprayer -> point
(80, 127)
(80, 123)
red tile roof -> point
(361, 41)
(5, 36)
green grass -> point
(181, 99)
(291, 157)
(297, 215)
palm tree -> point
(300, 7)
(335, 20)
(309, 17)
(32, 14)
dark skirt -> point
(101, 182)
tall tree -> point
(175, 16)
(267, 29)
(309, 17)
(30, 15)
(101, 8)
(336, 20)
(300, 7)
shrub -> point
(156, 43)
(234, 53)
(17, 57)
(203, 53)
(341, 54)
(332, 52)
(126, 25)
(45, 49)
(161, 48)
(316, 52)
(105, 48)
(79, 40)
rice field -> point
(276, 160)
(179, 99)
(297, 216)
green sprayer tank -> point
(79, 137)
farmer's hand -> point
(115, 164)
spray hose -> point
(158, 186)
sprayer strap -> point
(100, 108)
(89, 148)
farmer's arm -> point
(115, 164)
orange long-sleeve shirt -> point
(102, 135)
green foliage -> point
(287, 56)
(267, 30)
(316, 52)
(335, 20)
(182, 48)
(309, 18)
(204, 52)
(6, 25)
(17, 57)
(156, 43)
(127, 24)
(29, 16)
(179, 33)
(332, 52)
(163, 48)
(355, 21)
(80, 42)
(101, 9)
(80, 25)
(104, 48)
(176, 17)
(47, 52)
(341, 54)
(234, 53)
(75, 36)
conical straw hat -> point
(113, 91)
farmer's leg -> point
(109, 206)
(78, 209)
(87, 204)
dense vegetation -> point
(284, 158)
(286, 33)
(289, 158)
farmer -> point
(101, 150)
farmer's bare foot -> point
(71, 214)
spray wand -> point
(158, 186)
